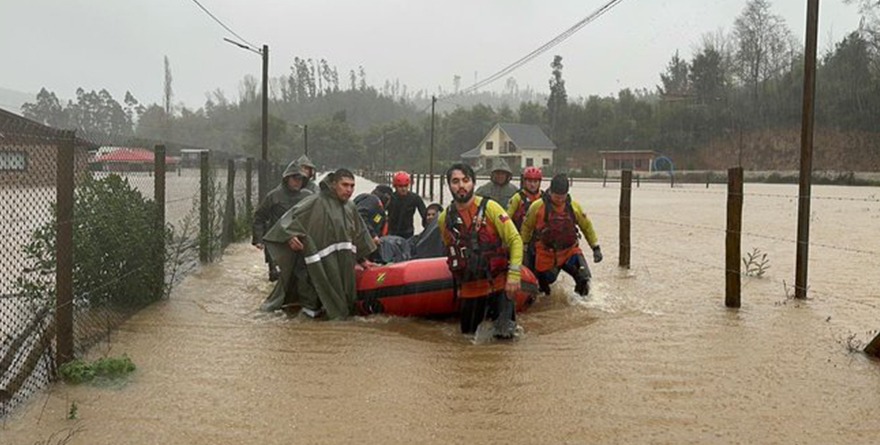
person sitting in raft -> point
(553, 222)
(484, 255)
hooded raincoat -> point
(499, 193)
(335, 239)
(278, 201)
(304, 161)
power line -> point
(543, 48)
(223, 24)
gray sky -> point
(120, 44)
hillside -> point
(779, 149)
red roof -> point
(132, 155)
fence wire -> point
(123, 256)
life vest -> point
(524, 202)
(560, 228)
(476, 252)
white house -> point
(521, 145)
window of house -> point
(530, 162)
(511, 147)
(545, 161)
(13, 161)
(489, 145)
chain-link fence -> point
(93, 229)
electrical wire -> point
(541, 49)
(223, 24)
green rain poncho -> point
(335, 238)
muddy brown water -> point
(652, 356)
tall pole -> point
(431, 163)
(803, 235)
(265, 146)
(306, 138)
(384, 157)
(264, 154)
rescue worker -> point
(499, 187)
(524, 197)
(553, 223)
(371, 207)
(484, 253)
(308, 169)
(519, 205)
(278, 201)
(329, 235)
(403, 206)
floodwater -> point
(652, 356)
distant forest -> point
(737, 99)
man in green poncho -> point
(308, 169)
(278, 201)
(325, 234)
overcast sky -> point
(119, 44)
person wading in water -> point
(484, 253)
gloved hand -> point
(597, 254)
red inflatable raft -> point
(420, 288)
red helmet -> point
(400, 179)
(532, 173)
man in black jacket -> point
(278, 201)
(403, 206)
(371, 207)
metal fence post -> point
(734, 236)
(64, 197)
(625, 211)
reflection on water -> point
(651, 356)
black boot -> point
(582, 287)
(544, 287)
(505, 324)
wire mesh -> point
(27, 194)
(123, 255)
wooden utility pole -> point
(625, 211)
(264, 153)
(803, 233)
(431, 162)
(733, 248)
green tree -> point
(764, 46)
(532, 113)
(707, 76)
(675, 81)
(280, 148)
(333, 143)
(558, 98)
(847, 89)
(396, 145)
(47, 109)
